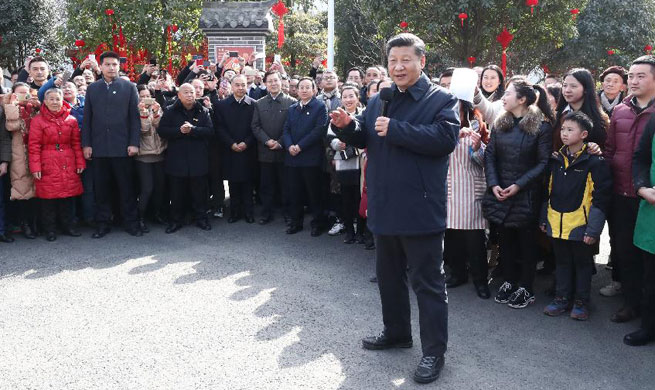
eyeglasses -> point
(329, 78)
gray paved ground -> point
(248, 307)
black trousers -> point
(241, 198)
(53, 208)
(420, 257)
(107, 170)
(624, 217)
(648, 307)
(466, 246)
(575, 264)
(305, 180)
(272, 185)
(183, 188)
(151, 186)
(216, 187)
(519, 253)
(350, 198)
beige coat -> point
(22, 182)
(151, 144)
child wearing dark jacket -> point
(573, 215)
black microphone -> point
(386, 95)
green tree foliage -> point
(144, 23)
(26, 25)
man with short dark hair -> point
(626, 128)
(330, 95)
(111, 134)
(293, 87)
(267, 126)
(446, 77)
(355, 76)
(408, 151)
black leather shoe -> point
(293, 229)
(143, 227)
(454, 281)
(250, 219)
(316, 231)
(173, 227)
(625, 314)
(638, 338)
(72, 232)
(50, 236)
(483, 291)
(100, 232)
(27, 231)
(6, 238)
(233, 218)
(350, 238)
(134, 231)
(204, 225)
(373, 279)
(265, 219)
(381, 341)
(429, 369)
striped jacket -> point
(466, 187)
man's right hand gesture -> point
(340, 118)
(88, 151)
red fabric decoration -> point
(169, 44)
(574, 13)
(121, 37)
(610, 52)
(109, 12)
(471, 60)
(404, 25)
(280, 10)
(531, 4)
(80, 43)
(504, 38)
(648, 49)
(324, 63)
(462, 16)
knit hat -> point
(615, 69)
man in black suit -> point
(188, 127)
(111, 134)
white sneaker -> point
(337, 229)
(612, 289)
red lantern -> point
(404, 25)
(471, 60)
(531, 4)
(545, 68)
(37, 51)
(504, 38)
(462, 16)
(109, 12)
(280, 10)
(175, 28)
(80, 43)
(610, 52)
(648, 49)
(574, 13)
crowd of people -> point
(537, 170)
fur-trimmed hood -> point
(531, 122)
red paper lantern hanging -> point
(80, 43)
(574, 13)
(610, 52)
(648, 49)
(404, 25)
(471, 60)
(280, 10)
(462, 16)
(532, 4)
(109, 12)
(175, 28)
(504, 38)
(37, 51)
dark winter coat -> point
(518, 154)
(626, 127)
(268, 123)
(187, 154)
(56, 152)
(407, 169)
(111, 118)
(305, 127)
(233, 124)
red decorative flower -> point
(79, 43)
(404, 25)
(109, 12)
(462, 16)
(610, 52)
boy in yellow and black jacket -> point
(573, 214)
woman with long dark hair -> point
(492, 83)
(579, 94)
(514, 163)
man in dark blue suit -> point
(111, 134)
(408, 151)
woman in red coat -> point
(56, 161)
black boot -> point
(143, 227)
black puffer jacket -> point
(518, 154)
